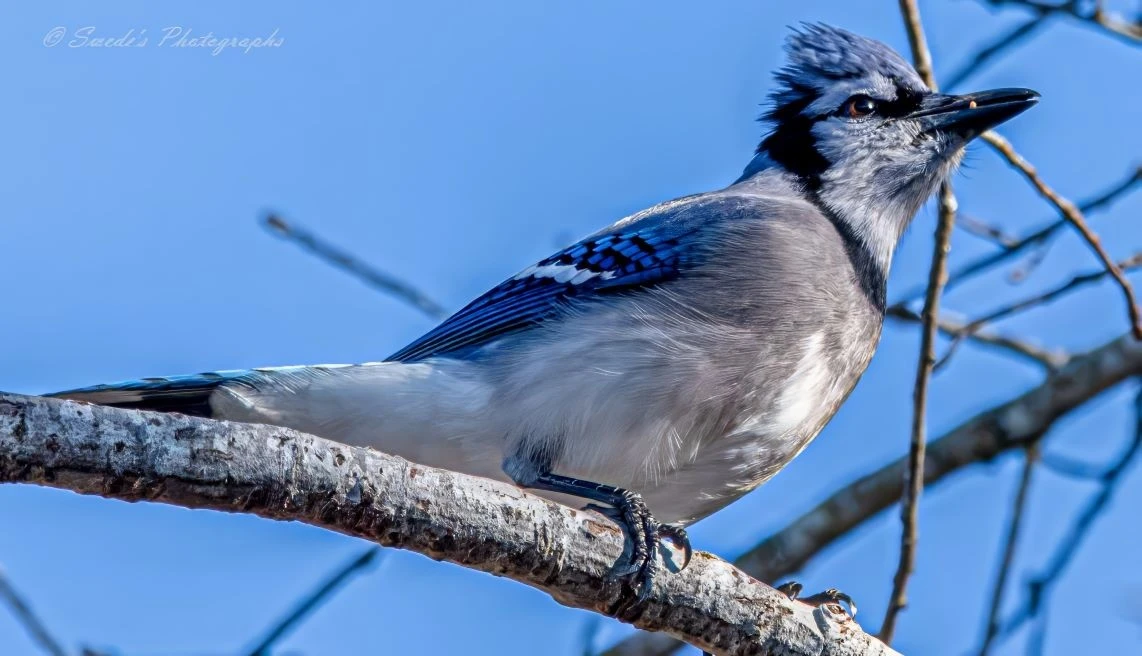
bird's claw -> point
(832, 597)
(645, 533)
(790, 589)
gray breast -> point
(798, 328)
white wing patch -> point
(568, 273)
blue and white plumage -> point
(679, 357)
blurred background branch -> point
(1010, 541)
(375, 278)
(1087, 12)
(1038, 589)
(26, 617)
(312, 601)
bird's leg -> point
(630, 511)
(831, 596)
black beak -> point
(971, 114)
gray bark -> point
(496, 528)
(1007, 426)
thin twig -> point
(1131, 32)
(917, 42)
(1024, 269)
(985, 230)
(937, 276)
(1039, 588)
(1036, 258)
(1010, 541)
(1073, 468)
(1073, 215)
(1036, 237)
(1052, 360)
(26, 617)
(997, 47)
(331, 254)
(1081, 280)
(590, 635)
(975, 325)
(914, 481)
(313, 600)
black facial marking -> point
(906, 102)
(792, 144)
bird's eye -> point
(859, 107)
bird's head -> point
(856, 124)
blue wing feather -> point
(604, 263)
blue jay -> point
(682, 356)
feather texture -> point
(597, 265)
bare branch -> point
(1081, 280)
(975, 325)
(1014, 524)
(917, 42)
(1021, 273)
(1039, 588)
(914, 481)
(493, 527)
(937, 277)
(1070, 467)
(313, 600)
(1075, 217)
(1094, 15)
(25, 616)
(1052, 360)
(379, 280)
(1007, 426)
(985, 230)
(1037, 237)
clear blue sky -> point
(453, 144)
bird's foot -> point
(630, 511)
(831, 597)
(627, 509)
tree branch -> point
(1051, 359)
(1007, 559)
(312, 601)
(25, 616)
(975, 325)
(1075, 217)
(929, 318)
(1094, 14)
(1040, 238)
(1039, 588)
(371, 276)
(1006, 426)
(497, 528)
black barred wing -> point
(597, 265)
